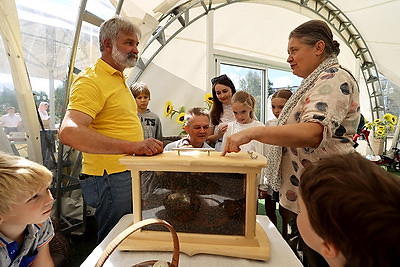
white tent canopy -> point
(375, 20)
(252, 32)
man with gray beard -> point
(100, 119)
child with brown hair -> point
(151, 123)
(25, 225)
(350, 212)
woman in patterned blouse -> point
(317, 121)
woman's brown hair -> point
(313, 31)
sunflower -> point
(380, 133)
(387, 116)
(393, 120)
(181, 118)
(168, 108)
(209, 98)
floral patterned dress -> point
(334, 103)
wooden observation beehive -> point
(210, 200)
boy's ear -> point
(1, 220)
(329, 250)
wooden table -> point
(281, 254)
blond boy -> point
(25, 206)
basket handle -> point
(133, 228)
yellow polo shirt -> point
(101, 92)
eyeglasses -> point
(215, 80)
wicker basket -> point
(133, 228)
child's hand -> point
(223, 129)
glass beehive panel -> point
(195, 202)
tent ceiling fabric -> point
(377, 21)
(374, 19)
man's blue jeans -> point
(111, 195)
